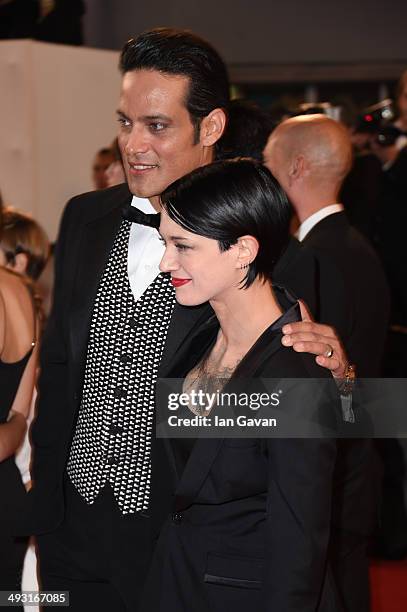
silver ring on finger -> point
(329, 352)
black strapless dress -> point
(12, 490)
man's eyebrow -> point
(157, 117)
(147, 118)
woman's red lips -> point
(178, 282)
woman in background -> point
(18, 363)
(24, 249)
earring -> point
(244, 266)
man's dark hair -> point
(182, 53)
(246, 133)
(229, 199)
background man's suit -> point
(353, 297)
(353, 292)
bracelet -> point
(347, 383)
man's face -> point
(156, 135)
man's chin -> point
(142, 192)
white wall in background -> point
(57, 108)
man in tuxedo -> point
(115, 327)
(310, 155)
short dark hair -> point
(182, 53)
(229, 199)
(247, 131)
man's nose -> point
(136, 142)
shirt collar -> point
(143, 204)
(307, 225)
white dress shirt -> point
(307, 225)
(145, 251)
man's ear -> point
(212, 127)
(248, 247)
(297, 169)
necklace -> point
(207, 377)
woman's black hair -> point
(229, 199)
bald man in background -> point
(310, 156)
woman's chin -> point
(185, 300)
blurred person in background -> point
(310, 155)
(247, 130)
(114, 174)
(391, 237)
(401, 104)
(361, 188)
(102, 160)
(391, 538)
(24, 248)
(19, 328)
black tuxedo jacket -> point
(352, 291)
(249, 524)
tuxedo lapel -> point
(183, 322)
(97, 240)
(196, 470)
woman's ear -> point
(248, 247)
(212, 127)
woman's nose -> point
(168, 263)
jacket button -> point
(176, 518)
(132, 323)
(112, 461)
(115, 429)
(119, 392)
(125, 358)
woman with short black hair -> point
(250, 518)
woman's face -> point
(199, 270)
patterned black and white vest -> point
(112, 439)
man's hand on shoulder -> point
(306, 336)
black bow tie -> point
(131, 213)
